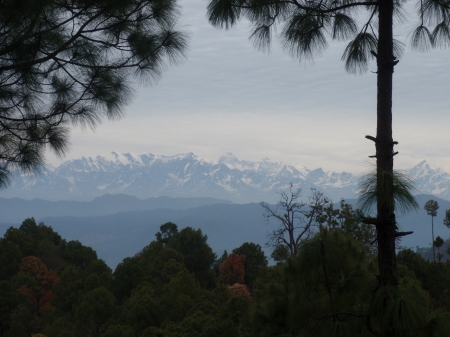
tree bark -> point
(384, 148)
(432, 236)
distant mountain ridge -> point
(186, 175)
(16, 210)
(118, 234)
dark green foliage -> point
(73, 63)
(166, 232)
(255, 261)
(94, 309)
(96, 275)
(142, 309)
(434, 277)
(21, 319)
(10, 299)
(17, 330)
(119, 331)
(328, 290)
(60, 327)
(333, 273)
(180, 295)
(280, 253)
(431, 206)
(198, 256)
(153, 332)
(236, 311)
(400, 311)
(270, 317)
(21, 240)
(447, 218)
(38, 297)
(155, 263)
(437, 283)
(68, 289)
(78, 255)
(10, 257)
(127, 276)
(219, 315)
(349, 221)
(50, 254)
(40, 240)
(438, 244)
(414, 262)
(218, 262)
(269, 275)
(159, 263)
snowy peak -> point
(420, 170)
(331, 179)
(114, 161)
(264, 167)
(227, 157)
(430, 180)
(187, 175)
(229, 160)
(233, 163)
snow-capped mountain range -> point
(186, 175)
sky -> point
(229, 97)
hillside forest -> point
(176, 286)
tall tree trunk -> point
(386, 226)
(432, 236)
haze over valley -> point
(116, 203)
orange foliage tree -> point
(41, 291)
(232, 270)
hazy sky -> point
(229, 97)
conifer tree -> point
(328, 290)
(446, 220)
(66, 63)
(304, 26)
(431, 206)
(438, 243)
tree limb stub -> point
(399, 234)
(371, 138)
(370, 221)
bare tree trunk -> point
(386, 226)
(432, 236)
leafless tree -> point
(296, 218)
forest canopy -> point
(59, 288)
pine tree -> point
(327, 290)
(431, 206)
(66, 63)
(304, 26)
(438, 243)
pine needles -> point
(379, 186)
